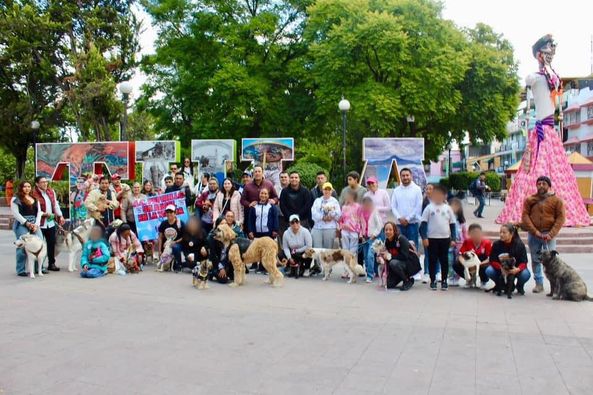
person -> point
(125, 244)
(425, 202)
(284, 181)
(460, 237)
(380, 198)
(250, 196)
(427, 195)
(77, 198)
(51, 214)
(437, 229)
(263, 217)
(168, 184)
(148, 189)
(544, 154)
(204, 204)
(229, 218)
(222, 269)
(119, 190)
(228, 199)
(325, 213)
(543, 217)
(9, 190)
(194, 243)
(511, 246)
(172, 228)
(351, 223)
(173, 169)
(404, 263)
(373, 228)
(103, 213)
(127, 209)
(188, 173)
(481, 247)
(406, 205)
(179, 185)
(479, 192)
(201, 186)
(95, 255)
(294, 243)
(296, 199)
(317, 190)
(353, 179)
(27, 218)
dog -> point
(330, 258)
(508, 279)
(72, 242)
(263, 249)
(383, 257)
(565, 283)
(36, 250)
(471, 267)
(166, 259)
(200, 274)
(149, 253)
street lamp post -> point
(410, 118)
(35, 125)
(449, 160)
(125, 88)
(344, 106)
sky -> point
(522, 22)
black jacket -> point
(296, 201)
(400, 250)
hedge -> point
(461, 181)
(307, 171)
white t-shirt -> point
(438, 217)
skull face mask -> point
(547, 53)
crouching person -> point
(295, 241)
(480, 246)
(95, 255)
(127, 248)
(404, 263)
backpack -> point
(473, 187)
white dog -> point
(471, 267)
(166, 258)
(72, 242)
(329, 258)
(36, 250)
(383, 257)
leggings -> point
(438, 252)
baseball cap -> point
(372, 180)
(247, 173)
(170, 207)
(294, 217)
(327, 185)
(116, 177)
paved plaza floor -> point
(152, 333)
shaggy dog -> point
(383, 257)
(329, 258)
(72, 241)
(471, 267)
(263, 249)
(200, 274)
(508, 280)
(36, 250)
(166, 260)
(564, 280)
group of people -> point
(299, 218)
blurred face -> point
(438, 196)
(321, 179)
(193, 225)
(42, 184)
(372, 186)
(505, 234)
(295, 180)
(227, 185)
(352, 182)
(104, 185)
(349, 198)
(264, 195)
(367, 205)
(327, 192)
(476, 236)
(179, 180)
(96, 234)
(229, 217)
(258, 174)
(542, 187)
(406, 177)
(389, 231)
(284, 179)
(455, 206)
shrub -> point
(307, 171)
(493, 181)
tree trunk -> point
(21, 159)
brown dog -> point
(329, 258)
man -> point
(174, 169)
(172, 228)
(229, 217)
(479, 191)
(101, 202)
(543, 216)
(353, 184)
(180, 185)
(317, 190)
(406, 206)
(119, 190)
(50, 214)
(296, 199)
(294, 243)
(284, 181)
(250, 195)
(246, 178)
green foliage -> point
(62, 190)
(8, 166)
(307, 171)
(462, 180)
(494, 181)
(445, 182)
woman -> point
(27, 217)
(125, 245)
(228, 199)
(77, 198)
(325, 213)
(194, 243)
(380, 197)
(95, 255)
(148, 189)
(263, 217)
(404, 263)
(373, 229)
(204, 204)
(508, 247)
(127, 206)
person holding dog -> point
(27, 218)
(482, 247)
(95, 255)
(101, 202)
(194, 243)
(325, 213)
(177, 231)
(404, 263)
(295, 241)
(125, 246)
(509, 247)
(543, 217)
(50, 216)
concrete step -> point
(570, 242)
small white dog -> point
(166, 259)
(36, 250)
(383, 257)
(72, 242)
(471, 267)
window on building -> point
(572, 148)
(590, 112)
(573, 118)
(590, 148)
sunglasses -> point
(294, 221)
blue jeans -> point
(494, 275)
(92, 273)
(177, 250)
(369, 258)
(21, 255)
(482, 203)
(535, 246)
(410, 231)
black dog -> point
(507, 283)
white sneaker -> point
(453, 281)
(484, 285)
(418, 276)
(425, 279)
(438, 277)
(369, 280)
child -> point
(373, 226)
(95, 255)
(351, 223)
(437, 230)
(481, 247)
(461, 236)
(263, 221)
